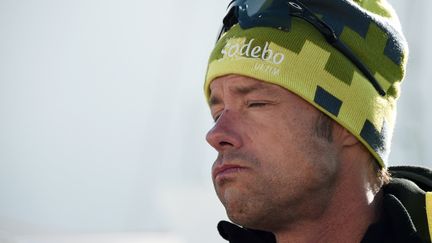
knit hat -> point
(302, 61)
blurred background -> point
(103, 118)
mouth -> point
(226, 171)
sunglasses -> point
(277, 14)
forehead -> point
(239, 84)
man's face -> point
(271, 168)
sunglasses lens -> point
(253, 7)
(265, 13)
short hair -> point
(382, 174)
(324, 127)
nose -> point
(225, 134)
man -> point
(303, 94)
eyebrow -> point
(214, 101)
(240, 90)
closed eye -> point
(257, 104)
(216, 115)
(216, 118)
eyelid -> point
(257, 103)
(215, 119)
(216, 115)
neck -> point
(352, 208)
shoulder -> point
(408, 202)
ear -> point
(344, 137)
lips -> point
(226, 170)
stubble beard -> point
(266, 203)
(256, 205)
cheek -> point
(285, 138)
(292, 148)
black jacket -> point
(404, 219)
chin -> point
(241, 220)
(237, 213)
(244, 217)
(249, 222)
(253, 216)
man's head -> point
(298, 113)
(279, 157)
